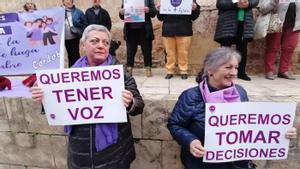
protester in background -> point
(140, 34)
(187, 121)
(101, 146)
(177, 35)
(74, 17)
(283, 32)
(29, 7)
(235, 26)
(98, 15)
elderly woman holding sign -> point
(187, 121)
(101, 146)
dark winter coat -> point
(148, 23)
(227, 24)
(178, 25)
(82, 152)
(187, 123)
(102, 18)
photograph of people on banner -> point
(83, 95)
(31, 41)
(134, 11)
(247, 131)
(176, 7)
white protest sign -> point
(288, 1)
(176, 7)
(83, 95)
(134, 11)
(247, 130)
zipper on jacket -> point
(91, 146)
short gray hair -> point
(215, 59)
(94, 27)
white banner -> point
(31, 41)
(134, 11)
(176, 7)
(83, 95)
(247, 131)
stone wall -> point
(202, 43)
(28, 142)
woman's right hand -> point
(242, 4)
(196, 148)
(157, 6)
(122, 11)
(37, 94)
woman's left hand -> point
(146, 9)
(127, 97)
(194, 6)
(291, 133)
(243, 4)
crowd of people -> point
(216, 84)
(235, 26)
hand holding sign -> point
(291, 133)
(127, 97)
(196, 148)
(243, 4)
(146, 9)
(194, 6)
(37, 94)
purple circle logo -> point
(212, 109)
(52, 116)
(176, 3)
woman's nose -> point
(234, 71)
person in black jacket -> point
(187, 120)
(101, 146)
(235, 26)
(177, 35)
(98, 15)
(140, 34)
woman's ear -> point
(81, 46)
(209, 73)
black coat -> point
(102, 18)
(82, 151)
(227, 24)
(178, 25)
(148, 23)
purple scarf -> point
(106, 133)
(226, 95)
